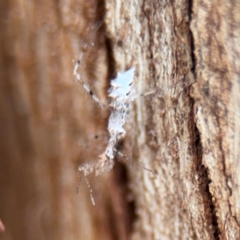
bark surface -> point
(188, 131)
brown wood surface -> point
(187, 131)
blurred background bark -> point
(188, 131)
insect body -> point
(121, 94)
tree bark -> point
(187, 131)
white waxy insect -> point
(121, 94)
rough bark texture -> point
(188, 131)
(216, 31)
(155, 37)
